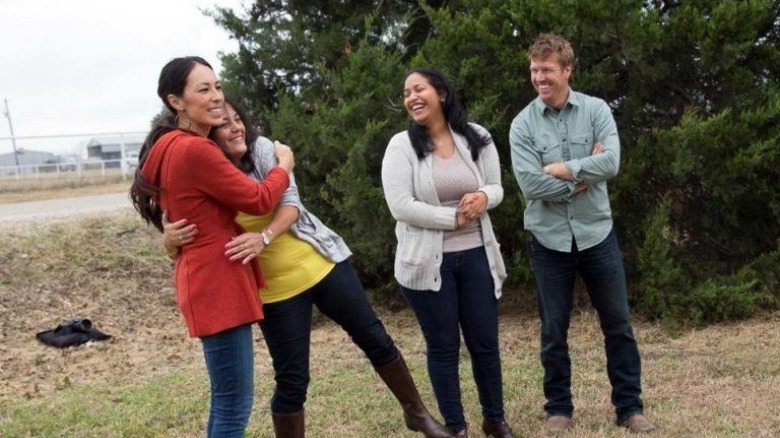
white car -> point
(131, 159)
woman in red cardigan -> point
(184, 173)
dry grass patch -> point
(149, 380)
(53, 188)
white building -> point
(111, 147)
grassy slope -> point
(149, 380)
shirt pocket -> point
(581, 145)
(548, 151)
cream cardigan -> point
(421, 219)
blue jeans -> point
(465, 302)
(230, 363)
(287, 331)
(601, 269)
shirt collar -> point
(573, 99)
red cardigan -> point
(199, 183)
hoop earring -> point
(178, 121)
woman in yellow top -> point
(305, 264)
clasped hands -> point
(470, 207)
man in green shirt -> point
(564, 148)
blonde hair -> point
(548, 44)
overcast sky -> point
(91, 66)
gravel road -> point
(35, 211)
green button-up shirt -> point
(541, 135)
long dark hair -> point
(247, 162)
(454, 114)
(173, 80)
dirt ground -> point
(86, 268)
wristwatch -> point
(266, 237)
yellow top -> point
(290, 265)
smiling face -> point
(551, 80)
(202, 101)
(231, 134)
(421, 100)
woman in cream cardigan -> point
(440, 177)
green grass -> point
(161, 407)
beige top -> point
(453, 179)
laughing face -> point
(231, 134)
(421, 100)
(202, 101)
(551, 80)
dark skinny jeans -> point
(287, 331)
(465, 302)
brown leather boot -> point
(638, 423)
(289, 425)
(396, 376)
(497, 429)
(557, 423)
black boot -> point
(497, 429)
(289, 425)
(396, 376)
(463, 433)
